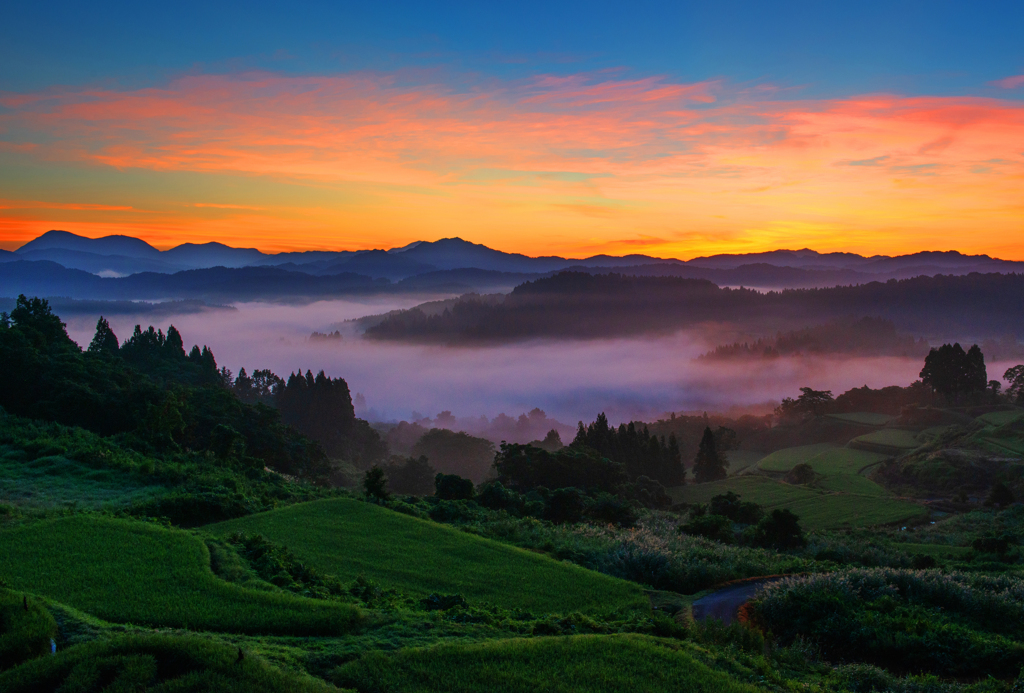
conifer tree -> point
(105, 341)
(709, 465)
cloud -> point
(873, 161)
(545, 164)
(1010, 82)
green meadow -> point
(577, 664)
(844, 461)
(818, 510)
(347, 538)
(155, 663)
(740, 460)
(134, 572)
(887, 441)
(786, 459)
(863, 418)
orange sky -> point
(575, 166)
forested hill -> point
(575, 305)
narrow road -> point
(724, 603)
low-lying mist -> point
(569, 380)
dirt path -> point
(724, 603)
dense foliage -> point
(641, 453)
(954, 624)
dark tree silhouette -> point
(954, 373)
(105, 341)
(709, 464)
(642, 454)
(375, 484)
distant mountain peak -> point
(107, 245)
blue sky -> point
(826, 48)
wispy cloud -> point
(550, 163)
(1014, 82)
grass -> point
(999, 418)
(886, 441)
(851, 483)
(784, 460)
(55, 481)
(348, 538)
(936, 550)
(152, 663)
(25, 628)
(607, 663)
(844, 461)
(740, 460)
(864, 418)
(135, 572)
(818, 510)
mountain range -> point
(60, 263)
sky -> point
(672, 129)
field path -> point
(724, 603)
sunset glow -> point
(606, 161)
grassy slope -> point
(56, 481)
(887, 440)
(608, 663)
(863, 418)
(742, 459)
(852, 483)
(844, 461)
(136, 572)
(347, 538)
(786, 459)
(998, 418)
(155, 662)
(817, 510)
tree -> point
(375, 483)
(1000, 495)
(565, 506)
(105, 341)
(709, 465)
(1015, 376)
(452, 487)
(780, 529)
(414, 476)
(954, 373)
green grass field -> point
(577, 664)
(155, 663)
(999, 418)
(817, 509)
(863, 418)
(56, 481)
(740, 460)
(784, 460)
(886, 441)
(936, 550)
(844, 461)
(852, 483)
(135, 572)
(347, 538)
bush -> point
(566, 505)
(714, 527)
(452, 487)
(611, 510)
(954, 624)
(155, 662)
(780, 529)
(730, 505)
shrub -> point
(566, 505)
(780, 529)
(611, 510)
(375, 483)
(714, 527)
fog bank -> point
(570, 381)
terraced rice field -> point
(784, 460)
(844, 461)
(863, 418)
(137, 572)
(817, 509)
(348, 538)
(886, 441)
